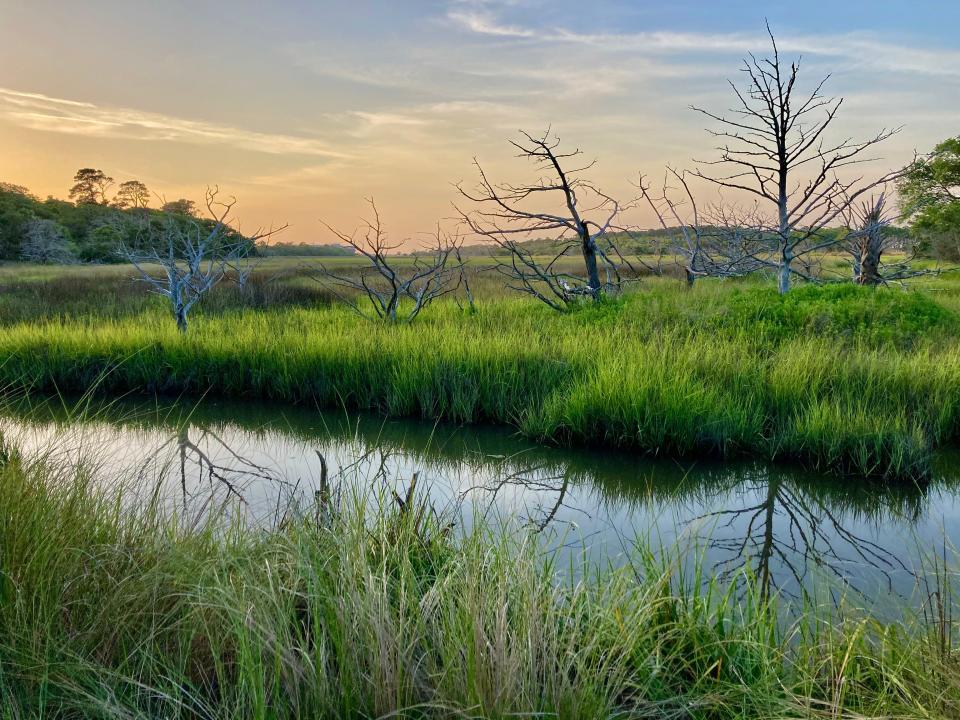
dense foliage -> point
(289, 249)
(931, 195)
(93, 228)
(87, 231)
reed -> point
(840, 378)
(364, 608)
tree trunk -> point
(783, 225)
(181, 313)
(590, 261)
(870, 266)
(783, 280)
(766, 550)
(691, 276)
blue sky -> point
(303, 108)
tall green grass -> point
(840, 378)
(373, 610)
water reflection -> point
(788, 524)
(787, 527)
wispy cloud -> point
(860, 48)
(381, 119)
(323, 62)
(436, 122)
(486, 24)
(42, 112)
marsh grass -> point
(839, 378)
(366, 607)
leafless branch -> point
(193, 256)
(391, 288)
(730, 246)
(767, 138)
(561, 205)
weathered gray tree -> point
(45, 241)
(775, 147)
(391, 288)
(192, 257)
(868, 240)
(779, 529)
(243, 262)
(720, 242)
(560, 203)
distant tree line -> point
(91, 227)
(302, 249)
(102, 218)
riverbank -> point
(840, 378)
(353, 609)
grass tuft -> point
(369, 609)
(840, 378)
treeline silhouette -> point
(96, 222)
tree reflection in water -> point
(781, 525)
(797, 526)
(776, 524)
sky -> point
(302, 109)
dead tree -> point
(243, 263)
(45, 241)
(463, 279)
(580, 215)
(868, 237)
(723, 244)
(771, 137)
(391, 288)
(540, 480)
(244, 259)
(193, 256)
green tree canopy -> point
(90, 187)
(931, 189)
(17, 207)
(180, 207)
(132, 194)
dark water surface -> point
(794, 529)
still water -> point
(794, 529)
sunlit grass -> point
(363, 609)
(840, 378)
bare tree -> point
(391, 288)
(868, 237)
(463, 279)
(723, 243)
(243, 261)
(192, 256)
(582, 217)
(770, 137)
(45, 241)
(540, 480)
(244, 257)
(782, 529)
